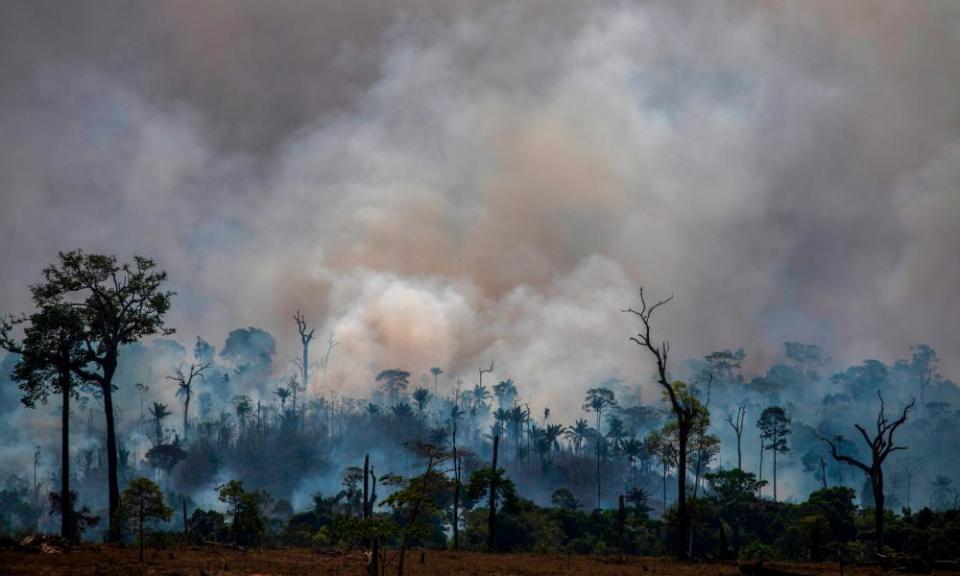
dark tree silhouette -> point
(737, 425)
(184, 382)
(306, 335)
(118, 304)
(436, 371)
(881, 445)
(598, 400)
(684, 412)
(159, 412)
(142, 502)
(393, 382)
(774, 425)
(51, 345)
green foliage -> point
(141, 504)
(247, 523)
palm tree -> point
(553, 433)
(480, 396)
(577, 433)
(940, 499)
(159, 412)
(141, 389)
(598, 400)
(633, 450)
(505, 393)
(501, 417)
(436, 371)
(422, 397)
(282, 393)
(243, 407)
(401, 410)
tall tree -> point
(881, 445)
(118, 304)
(924, 366)
(774, 425)
(684, 409)
(393, 382)
(737, 424)
(414, 499)
(159, 412)
(184, 382)
(598, 400)
(306, 335)
(51, 345)
(436, 371)
(421, 396)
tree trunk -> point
(760, 473)
(141, 531)
(66, 509)
(598, 460)
(186, 523)
(621, 520)
(876, 479)
(775, 475)
(492, 517)
(186, 415)
(113, 480)
(684, 436)
(739, 454)
(456, 491)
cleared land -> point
(108, 560)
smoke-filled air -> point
(646, 278)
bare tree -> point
(881, 446)
(737, 425)
(185, 388)
(305, 337)
(331, 344)
(684, 409)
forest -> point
(136, 434)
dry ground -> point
(111, 561)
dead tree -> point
(368, 500)
(881, 446)
(483, 371)
(737, 425)
(305, 337)
(185, 388)
(331, 344)
(684, 408)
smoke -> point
(446, 184)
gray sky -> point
(442, 183)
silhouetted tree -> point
(881, 445)
(393, 382)
(774, 425)
(436, 371)
(684, 410)
(598, 400)
(737, 425)
(185, 388)
(118, 304)
(142, 502)
(51, 345)
(306, 336)
(158, 411)
(422, 397)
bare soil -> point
(203, 561)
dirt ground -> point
(108, 560)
